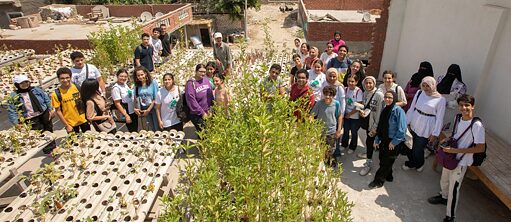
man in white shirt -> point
(469, 133)
(157, 45)
(82, 71)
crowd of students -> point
(432, 114)
(344, 99)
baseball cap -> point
(19, 79)
(217, 35)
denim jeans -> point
(350, 125)
(197, 121)
(416, 156)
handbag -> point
(408, 139)
(103, 125)
(450, 160)
(364, 121)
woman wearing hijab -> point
(451, 87)
(425, 69)
(390, 134)
(33, 103)
(425, 118)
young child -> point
(351, 118)
(469, 131)
(221, 93)
(328, 110)
(317, 78)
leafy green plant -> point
(259, 164)
(114, 45)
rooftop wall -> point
(343, 4)
(446, 32)
(130, 10)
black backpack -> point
(80, 106)
(182, 109)
(478, 157)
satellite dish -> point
(366, 17)
(146, 16)
(158, 14)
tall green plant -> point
(259, 164)
(114, 46)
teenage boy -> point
(82, 71)
(341, 62)
(222, 54)
(328, 110)
(66, 100)
(273, 83)
(144, 53)
(470, 135)
(157, 45)
(165, 41)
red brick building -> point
(321, 18)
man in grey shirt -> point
(222, 54)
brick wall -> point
(223, 23)
(44, 46)
(378, 41)
(343, 4)
(130, 10)
(172, 20)
(323, 31)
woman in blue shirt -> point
(390, 136)
(145, 93)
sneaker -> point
(389, 178)
(420, 169)
(350, 151)
(366, 169)
(362, 155)
(375, 184)
(448, 219)
(438, 199)
(427, 153)
(405, 168)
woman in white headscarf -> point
(424, 118)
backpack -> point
(478, 158)
(182, 109)
(80, 106)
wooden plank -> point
(495, 172)
(505, 198)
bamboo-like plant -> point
(258, 165)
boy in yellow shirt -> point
(69, 105)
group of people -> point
(332, 87)
(79, 101)
(430, 113)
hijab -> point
(369, 78)
(431, 82)
(453, 72)
(417, 77)
(383, 125)
(33, 99)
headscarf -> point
(33, 99)
(369, 78)
(453, 72)
(417, 77)
(432, 84)
(383, 125)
